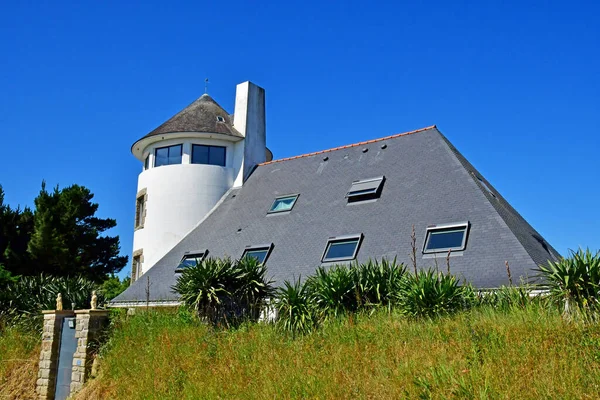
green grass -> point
(529, 353)
(19, 354)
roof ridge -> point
(350, 145)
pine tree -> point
(66, 239)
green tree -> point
(66, 239)
(113, 286)
(16, 227)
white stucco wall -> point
(178, 197)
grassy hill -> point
(521, 354)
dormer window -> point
(220, 119)
(365, 189)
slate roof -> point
(200, 116)
(427, 181)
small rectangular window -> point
(212, 155)
(140, 211)
(191, 259)
(442, 238)
(285, 203)
(365, 189)
(261, 252)
(136, 268)
(167, 155)
(147, 162)
(342, 248)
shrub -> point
(31, 294)
(574, 282)
(295, 308)
(430, 293)
(334, 290)
(222, 291)
(378, 281)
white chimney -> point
(249, 120)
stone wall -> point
(88, 331)
(46, 383)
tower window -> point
(342, 248)
(147, 162)
(140, 209)
(446, 237)
(167, 155)
(212, 155)
(220, 119)
(136, 265)
(282, 204)
(261, 252)
(365, 189)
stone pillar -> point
(48, 366)
(88, 331)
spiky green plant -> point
(574, 282)
(31, 294)
(296, 311)
(254, 287)
(334, 290)
(378, 281)
(222, 291)
(431, 293)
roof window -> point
(191, 259)
(365, 189)
(446, 237)
(260, 252)
(220, 119)
(284, 203)
(342, 248)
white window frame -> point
(463, 226)
(295, 195)
(337, 239)
(268, 247)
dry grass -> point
(524, 354)
(19, 354)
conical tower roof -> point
(203, 115)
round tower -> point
(189, 163)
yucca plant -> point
(431, 293)
(378, 281)
(295, 308)
(574, 282)
(253, 287)
(31, 294)
(334, 290)
(222, 291)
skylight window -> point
(191, 259)
(442, 238)
(342, 248)
(285, 203)
(365, 189)
(261, 252)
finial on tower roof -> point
(206, 86)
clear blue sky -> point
(515, 87)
